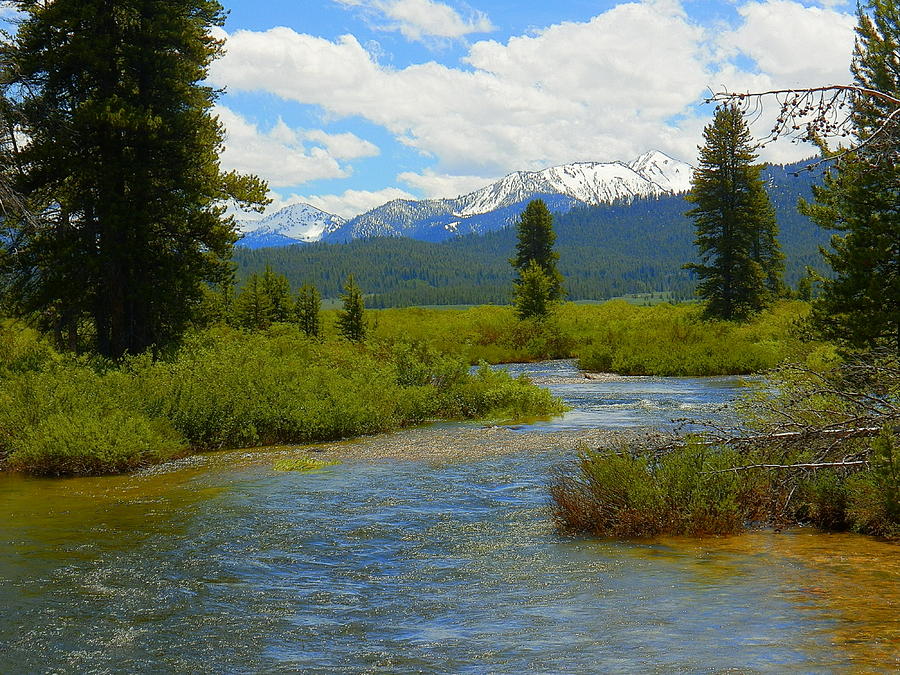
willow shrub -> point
(70, 419)
(695, 491)
(627, 495)
(227, 389)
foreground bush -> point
(821, 447)
(698, 490)
(227, 389)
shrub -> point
(224, 389)
(687, 491)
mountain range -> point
(491, 208)
(607, 250)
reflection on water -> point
(408, 565)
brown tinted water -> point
(429, 550)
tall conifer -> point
(351, 319)
(309, 308)
(535, 243)
(122, 163)
(860, 305)
(741, 263)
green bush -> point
(78, 442)
(688, 491)
(23, 349)
(677, 340)
(225, 388)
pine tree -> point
(533, 293)
(309, 307)
(860, 305)
(741, 263)
(351, 319)
(253, 307)
(535, 243)
(278, 288)
(122, 163)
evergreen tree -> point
(740, 261)
(216, 305)
(253, 307)
(536, 237)
(533, 293)
(122, 163)
(278, 289)
(860, 305)
(309, 307)
(351, 319)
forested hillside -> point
(605, 251)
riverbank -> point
(615, 336)
(61, 415)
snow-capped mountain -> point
(294, 224)
(650, 175)
(670, 174)
(494, 206)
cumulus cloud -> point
(794, 45)
(603, 89)
(421, 19)
(343, 146)
(281, 156)
(352, 202)
(626, 81)
(278, 155)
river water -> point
(426, 551)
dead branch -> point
(802, 465)
(814, 114)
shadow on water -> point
(438, 557)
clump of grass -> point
(678, 340)
(227, 389)
(303, 463)
(700, 490)
(623, 495)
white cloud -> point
(280, 155)
(610, 88)
(420, 19)
(794, 45)
(343, 146)
(437, 186)
(352, 202)
(577, 91)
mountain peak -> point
(653, 174)
(669, 174)
(293, 224)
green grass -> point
(615, 336)
(303, 464)
(227, 389)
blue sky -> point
(345, 104)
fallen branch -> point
(857, 432)
(803, 465)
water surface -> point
(426, 551)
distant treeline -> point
(605, 251)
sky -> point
(346, 104)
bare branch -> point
(815, 114)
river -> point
(426, 551)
